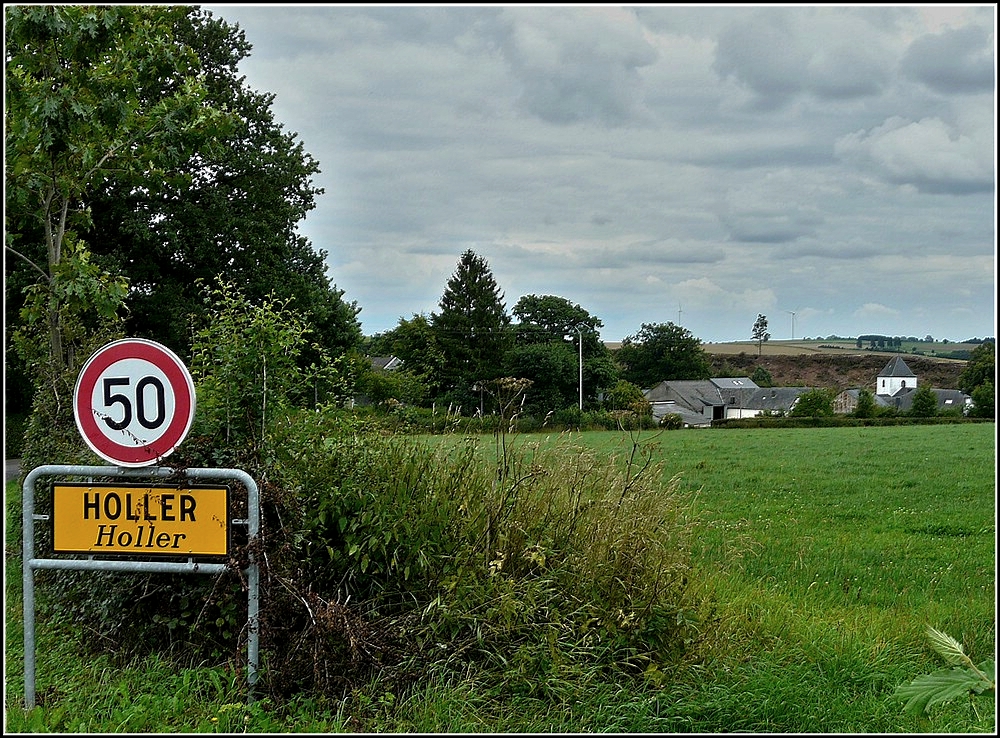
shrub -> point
(672, 421)
(815, 403)
(983, 401)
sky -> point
(832, 168)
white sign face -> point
(134, 402)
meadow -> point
(821, 556)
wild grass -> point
(824, 552)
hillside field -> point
(836, 365)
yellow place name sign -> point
(141, 519)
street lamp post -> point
(579, 332)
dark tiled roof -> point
(896, 368)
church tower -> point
(895, 377)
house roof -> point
(896, 368)
(774, 398)
(385, 362)
(692, 393)
(688, 417)
(724, 383)
(946, 398)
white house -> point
(895, 377)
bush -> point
(672, 421)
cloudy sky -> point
(832, 168)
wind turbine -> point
(792, 313)
(678, 312)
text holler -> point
(162, 506)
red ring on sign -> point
(180, 385)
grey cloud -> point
(630, 159)
(664, 252)
(770, 225)
(823, 250)
(778, 55)
(846, 71)
(577, 65)
(928, 154)
(960, 60)
(761, 53)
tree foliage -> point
(983, 401)
(553, 371)
(867, 407)
(233, 213)
(415, 342)
(78, 114)
(245, 363)
(150, 138)
(815, 403)
(761, 377)
(558, 325)
(661, 352)
(981, 368)
(471, 329)
(760, 333)
(925, 404)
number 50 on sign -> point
(134, 402)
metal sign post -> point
(160, 508)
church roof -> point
(896, 368)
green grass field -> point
(822, 554)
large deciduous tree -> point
(79, 115)
(234, 213)
(472, 330)
(661, 352)
(116, 127)
(548, 332)
(981, 368)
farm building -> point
(902, 400)
(699, 402)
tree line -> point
(457, 354)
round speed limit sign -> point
(133, 402)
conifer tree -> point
(472, 329)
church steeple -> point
(895, 377)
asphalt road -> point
(13, 469)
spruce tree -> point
(472, 329)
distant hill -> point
(834, 369)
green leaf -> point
(941, 686)
(947, 647)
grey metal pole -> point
(579, 332)
(30, 563)
(253, 569)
